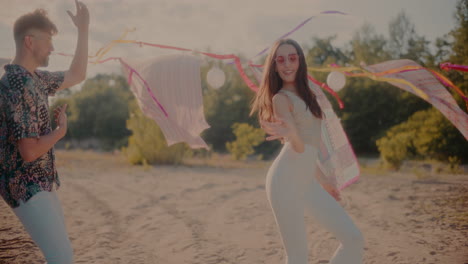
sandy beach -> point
(118, 213)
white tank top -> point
(308, 126)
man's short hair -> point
(35, 20)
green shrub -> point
(147, 144)
(247, 137)
(426, 134)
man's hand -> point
(77, 71)
(61, 118)
(81, 19)
(32, 148)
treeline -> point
(378, 117)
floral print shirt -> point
(24, 113)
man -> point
(28, 177)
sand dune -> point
(117, 213)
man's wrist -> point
(62, 130)
(83, 29)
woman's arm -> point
(281, 109)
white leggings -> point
(291, 187)
(42, 217)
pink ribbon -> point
(449, 66)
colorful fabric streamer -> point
(176, 81)
(379, 76)
(411, 77)
(182, 120)
(131, 72)
(428, 84)
(337, 160)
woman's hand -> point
(277, 129)
(332, 190)
(327, 184)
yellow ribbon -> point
(102, 51)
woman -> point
(285, 98)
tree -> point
(100, 111)
(442, 52)
(459, 54)
(323, 52)
(405, 43)
(367, 47)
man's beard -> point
(45, 62)
(42, 61)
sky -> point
(242, 27)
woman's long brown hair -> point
(272, 83)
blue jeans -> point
(42, 217)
